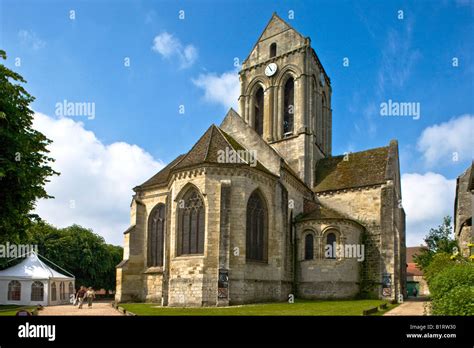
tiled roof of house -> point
(364, 168)
(412, 251)
(413, 270)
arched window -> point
(331, 240)
(308, 247)
(71, 289)
(53, 292)
(37, 291)
(289, 106)
(256, 228)
(191, 224)
(14, 290)
(62, 291)
(156, 233)
(259, 111)
(273, 50)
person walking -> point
(81, 295)
(90, 295)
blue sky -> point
(405, 60)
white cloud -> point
(30, 39)
(442, 142)
(221, 89)
(96, 178)
(427, 198)
(170, 47)
(398, 58)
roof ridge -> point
(45, 267)
(195, 144)
(225, 135)
(356, 152)
(209, 142)
(181, 157)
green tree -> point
(439, 262)
(438, 240)
(24, 164)
(79, 251)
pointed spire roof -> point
(208, 147)
(205, 150)
(276, 25)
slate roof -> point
(205, 151)
(161, 178)
(322, 212)
(364, 168)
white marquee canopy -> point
(32, 282)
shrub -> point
(451, 277)
(439, 263)
(457, 301)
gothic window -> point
(331, 240)
(53, 292)
(71, 289)
(14, 291)
(37, 291)
(273, 50)
(191, 224)
(156, 233)
(289, 106)
(308, 247)
(256, 228)
(259, 111)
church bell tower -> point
(286, 97)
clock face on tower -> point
(271, 69)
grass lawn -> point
(10, 310)
(300, 307)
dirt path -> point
(411, 307)
(98, 308)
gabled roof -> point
(31, 268)
(365, 168)
(205, 151)
(275, 23)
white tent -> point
(32, 282)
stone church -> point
(259, 209)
